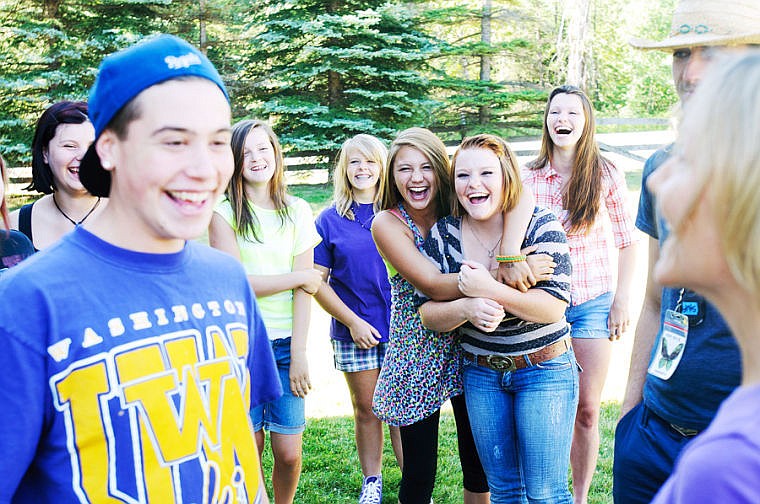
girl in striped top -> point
(520, 376)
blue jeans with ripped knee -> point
(522, 422)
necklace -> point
(69, 218)
(491, 250)
(363, 224)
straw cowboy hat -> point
(710, 23)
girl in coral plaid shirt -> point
(586, 191)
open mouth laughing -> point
(418, 193)
(477, 198)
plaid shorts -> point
(349, 358)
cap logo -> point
(177, 62)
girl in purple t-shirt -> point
(356, 292)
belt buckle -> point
(684, 431)
(503, 363)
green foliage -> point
(325, 71)
(51, 50)
(651, 91)
(472, 102)
(624, 80)
(321, 71)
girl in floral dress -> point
(422, 368)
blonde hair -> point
(433, 148)
(718, 135)
(371, 148)
(510, 169)
(246, 221)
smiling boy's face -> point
(172, 166)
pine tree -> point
(325, 71)
(51, 50)
(479, 67)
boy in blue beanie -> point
(132, 354)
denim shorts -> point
(589, 319)
(349, 358)
(285, 415)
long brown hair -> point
(245, 217)
(582, 195)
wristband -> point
(510, 258)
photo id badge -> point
(670, 346)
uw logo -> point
(182, 410)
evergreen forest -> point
(323, 70)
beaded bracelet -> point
(510, 259)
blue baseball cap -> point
(125, 74)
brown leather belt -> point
(507, 363)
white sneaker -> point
(372, 490)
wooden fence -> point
(524, 147)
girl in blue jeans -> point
(520, 373)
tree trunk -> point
(202, 38)
(334, 88)
(573, 47)
(50, 8)
(484, 110)
(334, 81)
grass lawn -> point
(331, 472)
(318, 195)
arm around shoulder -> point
(395, 242)
(544, 303)
(535, 305)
